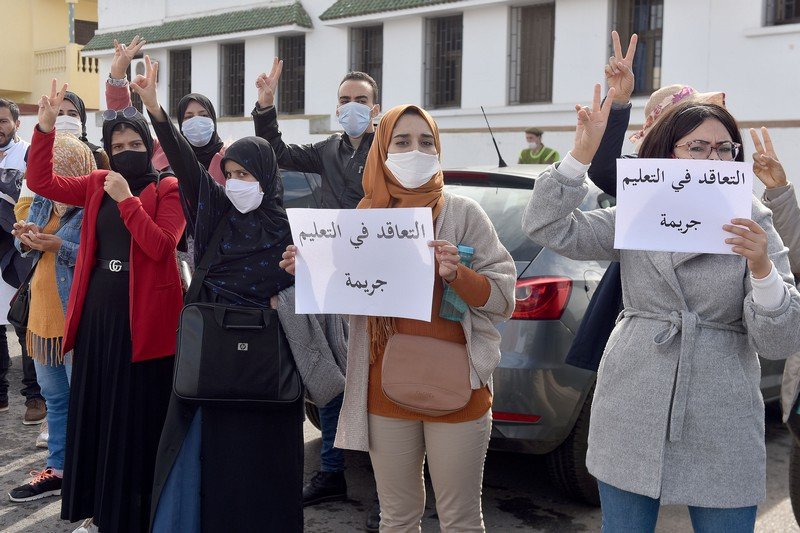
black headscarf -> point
(245, 270)
(139, 125)
(97, 151)
(204, 153)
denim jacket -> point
(70, 233)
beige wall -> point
(40, 50)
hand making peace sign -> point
(591, 126)
(145, 86)
(268, 85)
(49, 106)
(123, 55)
(765, 161)
(619, 70)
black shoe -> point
(43, 484)
(373, 521)
(325, 487)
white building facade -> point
(527, 63)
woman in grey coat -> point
(677, 416)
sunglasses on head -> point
(113, 114)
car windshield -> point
(505, 206)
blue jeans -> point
(331, 459)
(629, 512)
(54, 381)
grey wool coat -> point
(677, 411)
(461, 221)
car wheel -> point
(567, 463)
(312, 413)
(794, 479)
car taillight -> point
(503, 416)
(543, 298)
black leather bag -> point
(230, 354)
(21, 303)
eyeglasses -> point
(112, 114)
(726, 150)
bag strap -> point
(201, 269)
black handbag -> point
(20, 304)
(230, 354)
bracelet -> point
(122, 82)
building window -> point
(645, 18)
(531, 59)
(443, 48)
(84, 31)
(292, 85)
(232, 80)
(366, 52)
(783, 12)
(180, 77)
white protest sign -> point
(680, 205)
(372, 262)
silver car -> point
(541, 405)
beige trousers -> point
(455, 455)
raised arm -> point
(619, 75)
(303, 158)
(39, 175)
(188, 170)
(779, 195)
(118, 95)
(552, 218)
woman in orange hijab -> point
(403, 170)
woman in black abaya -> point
(250, 474)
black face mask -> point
(131, 164)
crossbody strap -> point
(201, 270)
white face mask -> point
(413, 169)
(198, 130)
(245, 196)
(68, 124)
(354, 118)
(533, 146)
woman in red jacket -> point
(121, 319)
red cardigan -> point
(155, 220)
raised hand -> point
(268, 84)
(619, 70)
(123, 55)
(49, 106)
(591, 126)
(145, 87)
(766, 166)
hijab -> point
(204, 153)
(245, 270)
(381, 189)
(139, 125)
(71, 157)
(100, 157)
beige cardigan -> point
(462, 221)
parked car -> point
(541, 405)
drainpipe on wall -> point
(71, 17)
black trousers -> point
(30, 388)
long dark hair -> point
(681, 121)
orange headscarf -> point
(381, 189)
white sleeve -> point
(768, 292)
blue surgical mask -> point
(354, 118)
(198, 130)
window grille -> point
(232, 80)
(645, 18)
(180, 77)
(443, 51)
(531, 54)
(292, 85)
